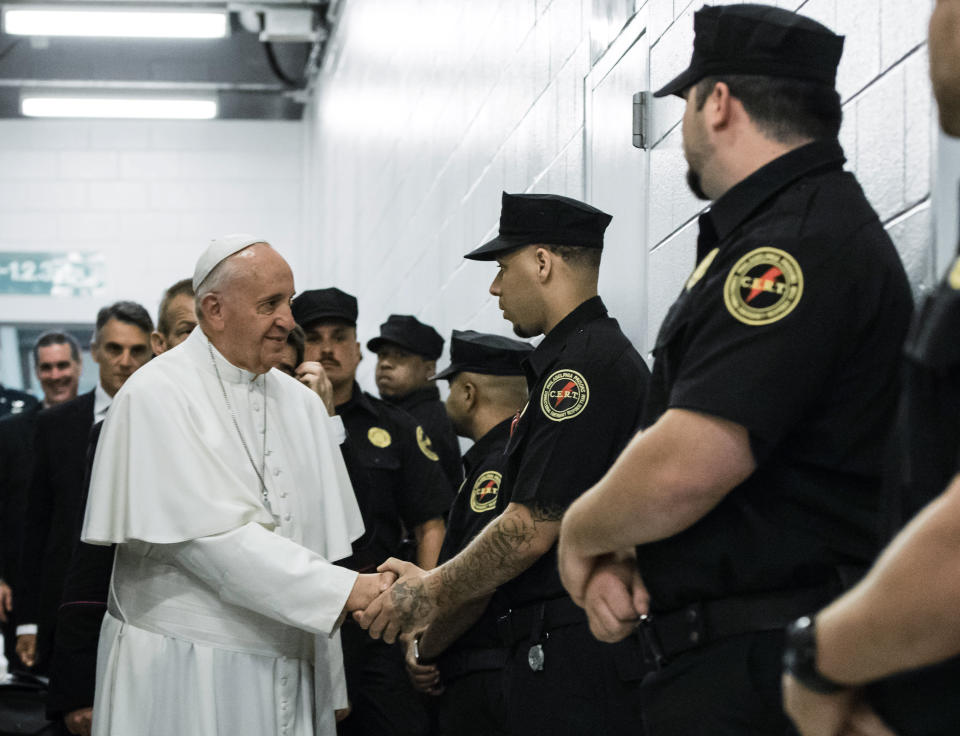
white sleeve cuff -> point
(339, 431)
(24, 629)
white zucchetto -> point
(218, 250)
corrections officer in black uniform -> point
(587, 384)
(903, 616)
(399, 487)
(754, 491)
(407, 351)
(460, 661)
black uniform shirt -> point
(425, 405)
(476, 504)
(790, 326)
(587, 387)
(395, 477)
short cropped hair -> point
(56, 338)
(129, 312)
(296, 338)
(578, 256)
(784, 109)
(184, 287)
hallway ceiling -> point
(237, 68)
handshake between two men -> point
(393, 601)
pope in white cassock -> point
(222, 482)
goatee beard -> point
(693, 181)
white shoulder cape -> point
(170, 468)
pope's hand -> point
(312, 375)
(835, 714)
(615, 597)
(367, 588)
(407, 607)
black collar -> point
(484, 446)
(743, 199)
(415, 397)
(553, 344)
(358, 400)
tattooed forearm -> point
(506, 547)
(411, 603)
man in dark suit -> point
(121, 344)
(74, 664)
(57, 363)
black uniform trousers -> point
(383, 701)
(474, 705)
(729, 687)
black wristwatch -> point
(800, 657)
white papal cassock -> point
(222, 617)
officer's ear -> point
(544, 263)
(469, 395)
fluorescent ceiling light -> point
(118, 107)
(94, 21)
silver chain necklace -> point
(263, 460)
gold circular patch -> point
(565, 394)
(763, 286)
(425, 444)
(954, 278)
(378, 437)
(483, 497)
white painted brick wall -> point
(432, 108)
(147, 195)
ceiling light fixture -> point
(49, 106)
(109, 23)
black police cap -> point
(492, 355)
(759, 40)
(526, 219)
(324, 304)
(410, 334)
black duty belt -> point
(463, 662)
(665, 635)
(530, 621)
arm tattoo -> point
(548, 512)
(503, 550)
(411, 602)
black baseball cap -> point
(409, 333)
(319, 304)
(478, 352)
(550, 219)
(760, 40)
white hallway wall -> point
(429, 109)
(147, 195)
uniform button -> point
(277, 471)
(287, 517)
(694, 637)
(268, 453)
(256, 407)
(691, 615)
(283, 680)
(283, 494)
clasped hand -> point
(406, 607)
(608, 587)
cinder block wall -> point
(427, 109)
(147, 195)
